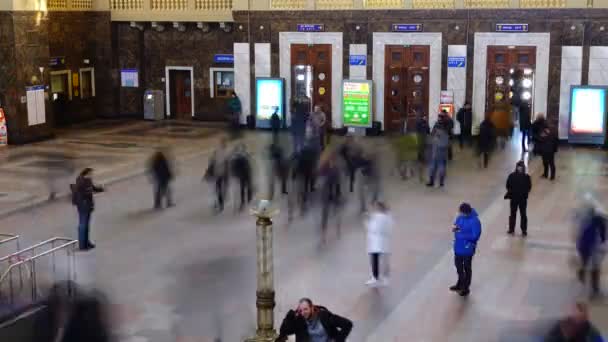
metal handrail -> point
(30, 264)
(6, 238)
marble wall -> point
(357, 72)
(571, 74)
(242, 77)
(151, 51)
(262, 60)
(598, 65)
(457, 79)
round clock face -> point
(499, 80)
(321, 76)
(417, 78)
(499, 96)
(395, 78)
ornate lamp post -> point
(265, 286)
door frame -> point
(168, 69)
(92, 70)
(62, 72)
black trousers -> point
(464, 137)
(486, 157)
(220, 191)
(246, 190)
(375, 263)
(522, 205)
(464, 269)
(162, 190)
(525, 134)
(549, 164)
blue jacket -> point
(465, 239)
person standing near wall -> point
(234, 108)
(486, 141)
(82, 198)
(465, 118)
(548, 145)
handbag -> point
(508, 196)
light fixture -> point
(527, 83)
(300, 77)
(226, 27)
(203, 27)
(136, 25)
(511, 71)
(602, 28)
(572, 27)
(526, 95)
(240, 27)
(261, 27)
(179, 26)
(511, 46)
(456, 27)
(157, 27)
(511, 82)
(527, 71)
(357, 27)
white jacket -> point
(379, 228)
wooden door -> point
(406, 85)
(180, 94)
(319, 58)
(504, 65)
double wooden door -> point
(406, 85)
(505, 66)
(318, 56)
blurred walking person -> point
(518, 186)
(438, 158)
(279, 168)
(525, 125)
(548, 145)
(330, 192)
(465, 118)
(242, 171)
(576, 327)
(467, 231)
(161, 171)
(217, 173)
(82, 198)
(422, 134)
(275, 124)
(538, 126)
(234, 109)
(314, 323)
(591, 247)
(299, 119)
(350, 151)
(369, 185)
(318, 119)
(486, 141)
(58, 172)
(379, 230)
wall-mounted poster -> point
(270, 97)
(3, 130)
(357, 103)
(129, 78)
(587, 115)
(36, 112)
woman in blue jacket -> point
(467, 230)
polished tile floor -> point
(184, 274)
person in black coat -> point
(350, 152)
(519, 186)
(465, 118)
(241, 170)
(538, 126)
(160, 169)
(82, 198)
(486, 140)
(275, 124)
(312, 323)
(279, 166)
(547, 148)
(524, 125)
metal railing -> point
(9, 238)
(28, 259)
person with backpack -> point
(82, 198)
(467, 231)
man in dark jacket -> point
(350, 152)
(314, 323)
(465, 118)
(279, 167)
(524, 125)
(547, 149)
(241, 170)
(486, 140)
(83, 199)
(519, 186)
(275, 124)
(467, 231)
(538, 126)
(160, 168)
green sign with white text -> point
(357, 103)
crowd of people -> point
(316, 169)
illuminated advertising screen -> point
(270, 96)
(587, 115)
(357, 103)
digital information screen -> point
(357, 103)
(269, 95)
(587, 115)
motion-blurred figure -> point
(242, 171)
(486, 141)
(73, 317)
(330, 192)
(576, 327)
(304, 175)
(524, 125)
(217, 172)
(379, 227)
(591, 247)
(467, 231)
(438, 154)
(56, 173)
(406, 150)
(369, 185)
(350, 151)
(275, 124)
(519, 185)
(161, 171)
(313, 323)
(279, 168)
(299, 119)
(422, 133)
(465, 118)
(318, 119)
(538, 126)
(82, 198)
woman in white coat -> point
(379, 227)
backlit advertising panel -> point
(270, 96)
(587, 115)
(357, 103)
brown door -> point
(406, 85)
(180, 95)
(505, 64)
(319, 57)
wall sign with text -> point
(223, 59)
(457, 62)
(310, 27)
(406, 27)
(129, 78)
(512, 27)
